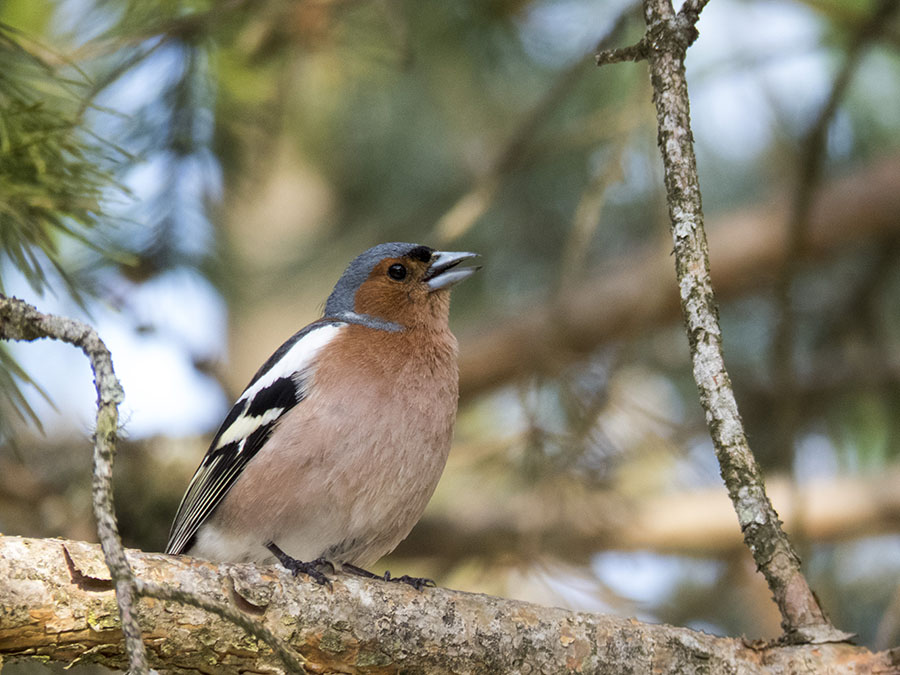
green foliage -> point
(61, 163)
(52, 177)
(11, 375)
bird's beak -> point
(441, 273)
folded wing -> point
(279, 385)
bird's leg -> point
(296, 566)
(359, 571)
(416, 582)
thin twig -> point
(21, 321)
(635, 52)
(690, 10)
(685, 22)
(293, 661)
(802, 618)
(587, 217)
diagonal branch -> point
(293, 662)
(668, 37)
(473, 204)
(636, 292)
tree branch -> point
(812, 160)
(579, 523)
(635, 52)
(472, 205)
(21, 321)
(291, 661)
(636, 294)
(360, 626)
(802, 618)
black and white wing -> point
(279, 385)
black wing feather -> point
(222, 466)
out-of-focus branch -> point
(587, 216)
(668, 37)
(472, 205)
(21, 321)
(812, 159)
(889, 627)
(60, 612)
(699, 522)
(637, 294)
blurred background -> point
(191, 177)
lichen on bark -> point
(668, 36)
(359, 626)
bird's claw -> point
(310, 569)
(416, 582)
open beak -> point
(441, 273)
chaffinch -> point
(334, 448)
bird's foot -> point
(416, 582)
(311, 569)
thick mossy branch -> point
(64, 612)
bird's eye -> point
(397, 272)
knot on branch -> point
(684, 30)
(673, 35)
(668, 34)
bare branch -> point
(812, 159)
(802, 618)
(635, 52)
(684, 27)
(21, 321)
(253, 627)
(578, 522)
(636, 293)
(360, 626)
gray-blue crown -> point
(341, 302)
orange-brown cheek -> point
(383, 299)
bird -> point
(331, 453)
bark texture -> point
(668, 37)
(59, 607)
(21, 321)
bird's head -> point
(397, 285)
